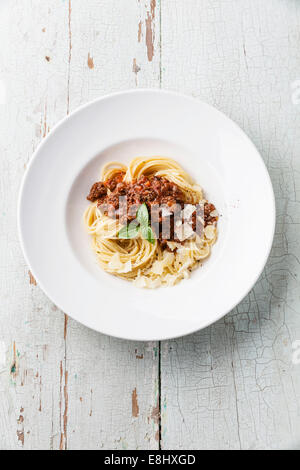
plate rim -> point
(174, 94)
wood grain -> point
(234, 385)
(230, 386)
(63, 386)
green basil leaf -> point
(143, 215)
(129, 231)
(123, 233)
(151, 236)
(147, 234)
(133, 229)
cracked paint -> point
(233, 384)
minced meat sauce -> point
(156, 192)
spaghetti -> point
(175, 204)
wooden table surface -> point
(235, 385)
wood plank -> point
(62, 385)
(234, 385)
(31, 328)
(113, 383)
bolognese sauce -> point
(164, 200)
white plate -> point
(119, 127)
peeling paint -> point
(20, 435)
(66, 405)
(153, 6)
(20, 429)
(64, 433)
(14, 369)
(138, 356)
(140, 31)
(135, 406)
(66, 326)
(135, 67)
(40, 407)
(150, 31)
(90, 62)
(155, 413)
(149, 37)
(61, 445)
(205, 400)
(31, 279)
